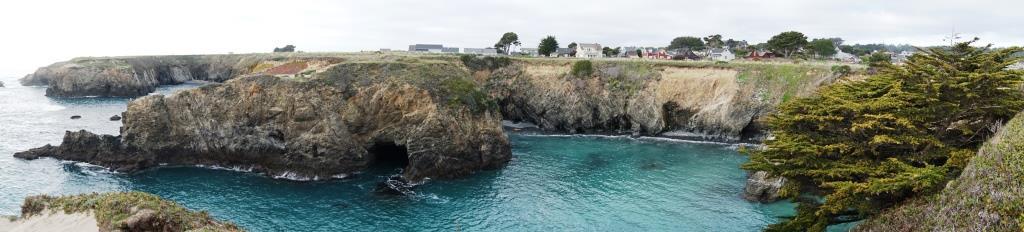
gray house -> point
(563, 52)
(450, 50)
(426, 48)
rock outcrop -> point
(138, 76)
(326, 126)
(763, 188)
(1, 84)
(117, 211)
(675, 99)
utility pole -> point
(953, 36)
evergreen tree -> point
(867, 145)
(787, 43)
(547, 46)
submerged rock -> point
(762, 187)
(115, 118)
(308, 129)
(396, 185)
(1, 84)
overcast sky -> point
(39, 32)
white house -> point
(589, 50)
(845, 57)
(529, 51)
(721, 54)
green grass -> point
(111, 209)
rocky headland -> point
(319, 116)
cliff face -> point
(317, 116)
(333, 124)
(688, 100)
(138, 76)
(988, 195)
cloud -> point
(36, 33)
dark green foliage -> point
(714, 41)
(822, 47)
(583, 68)
(477, 63)
(693, 43)
(787, 43)
(504, 45)
(547, 46)
(841, 70)
(878, 59)
(286, 48)
(465, 92)
(640, 53)
(869, 144)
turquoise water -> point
(554, 183)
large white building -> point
(589, 50)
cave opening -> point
(388, 155)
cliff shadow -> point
(388, 156)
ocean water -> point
(553, 183)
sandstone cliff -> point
(692, 100)
(332, 124)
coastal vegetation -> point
(127, 211)
(865, 146)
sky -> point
(40, 32)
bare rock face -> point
(309, 129)
(762, 187)
(138, 76)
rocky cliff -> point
(426, 113)
(317, 116)
(692, 100)
(138, 76)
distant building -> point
(450, 50)
(480, 51)
(589, 50)
(721, 54)
(385, 49)
(756, 54)
(1018, 66)
(563, 52)
(899, 58)
(426, 48)
(845, 57)
(529, 51)
(680, 54)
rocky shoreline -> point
(337, 114)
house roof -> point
(428, 46)
(595, 46)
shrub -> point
(465, 92)
(868, 145)
(841, 70)
(476, 63)
(583, 68)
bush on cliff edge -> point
(868, 145)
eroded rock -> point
(763, 187)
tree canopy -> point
(867, 145)
(822, 47)
(286, 48)
(693, 43)
(787, 43)
(504, 44)
(714, 41)
(547, 46)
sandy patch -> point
(51, 221)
